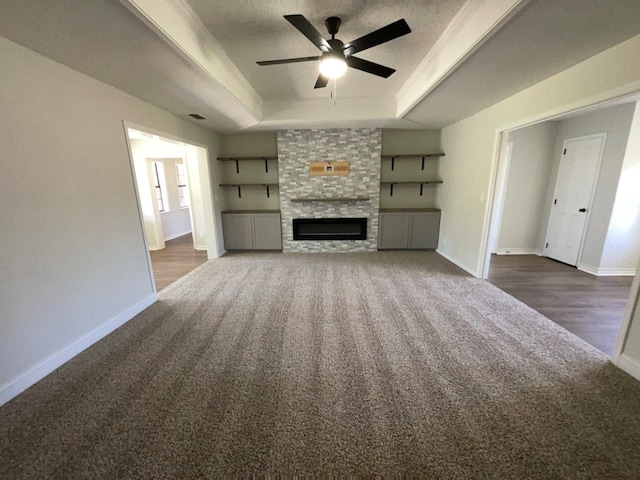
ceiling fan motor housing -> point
(336, 45)
(333, 25)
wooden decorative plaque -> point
(317, 169)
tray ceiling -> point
(198, 56)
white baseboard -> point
(628, 365)
(466, 269)
(607, 272)
(48, 365)
(518, 251)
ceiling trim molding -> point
(474, 24)
(181, 29)
(325, 110)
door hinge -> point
(546, 245)
(555, 200)
(565, 152)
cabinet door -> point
(267, 234)
(236, 228)
(394, 230)
(424, 230)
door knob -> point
(582, 210)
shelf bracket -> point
(267, 188)
(391, 189)
(266, 168)
(237, 166)
(422, 169)
(422, 184)
(239, 191)
(393, 166)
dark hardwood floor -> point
(590, 307)
(175, 260)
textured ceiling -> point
(114, 42)
(249, 31)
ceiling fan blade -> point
(369, 67)
(321, 82)
(309, 31)
(288, 60)
(382, 35)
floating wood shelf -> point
(410, 210)
(415, 182)
(413, 155)
(247, 184)
(243, 159)
(405, 156)
(249, 211)
(255, 184)
(422, 183)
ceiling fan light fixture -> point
(337, 55)
(332, 66)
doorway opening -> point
(533, 218)
(175, 202)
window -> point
(183, 191)
(156, 183)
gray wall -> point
(73, 257)
(615, 122)
(622, 247)
(524, 198)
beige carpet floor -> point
(389, 363)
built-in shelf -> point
(406, 156)
(249, 159)
(422, 183)
(248, 184)
(410, 210)
(241, 159)
(255, 184)
(250, 211)
(415, 182)
(413, 155)
(334, 199)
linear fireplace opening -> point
(330, 228)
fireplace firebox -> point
(330, 228)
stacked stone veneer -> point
(361, 148)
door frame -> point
(592, 193)
(502, 177)
(210, 227)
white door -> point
(572, 199)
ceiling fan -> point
(337, 56)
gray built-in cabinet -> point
(409, 229)
(258, 230)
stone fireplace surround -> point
(353, 195)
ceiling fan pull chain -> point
(335, 91)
